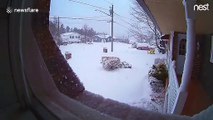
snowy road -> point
(125, 85)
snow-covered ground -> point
(125, 85)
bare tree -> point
(54, 30)
(143, 27)
(85, 32)
(137, 31)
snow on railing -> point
(172, 91)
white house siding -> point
(71, 37)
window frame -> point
(182, 47)
(31, 73)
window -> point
(45, 94)
(182, 47)
(97, 65)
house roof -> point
(70, 33)
(169, 15)
(103, 35)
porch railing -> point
(173, 88)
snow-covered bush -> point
(157, 86)
(159, 71)
(124, 64)
(111, 63)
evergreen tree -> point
(62, 29)
(53, 27)
(68, 29)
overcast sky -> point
(69, 8)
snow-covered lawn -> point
(125, 85)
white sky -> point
(68, 8)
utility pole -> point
(111, 14)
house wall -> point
(197, 60)
(206, 75)
(7, 86)
(72, 37)
(180, 58)
(199, 89)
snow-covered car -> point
(143, 46)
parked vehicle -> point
(143, 46)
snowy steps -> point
(121, 110)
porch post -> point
(190, 53)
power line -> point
(89, 19)
(122, 25)
(108, 2)
(83, 3)
(124, 17)
(125, 21)
(79, 18)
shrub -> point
(111, 63)
(159, 71)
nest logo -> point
(204, 7)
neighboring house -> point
(189, 53)
(96, 39)
(71, 37)
(101, 38)
(123, 40)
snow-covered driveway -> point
(125, 85)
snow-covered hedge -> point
(159, 71)
(124, 64)
(112, 63)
